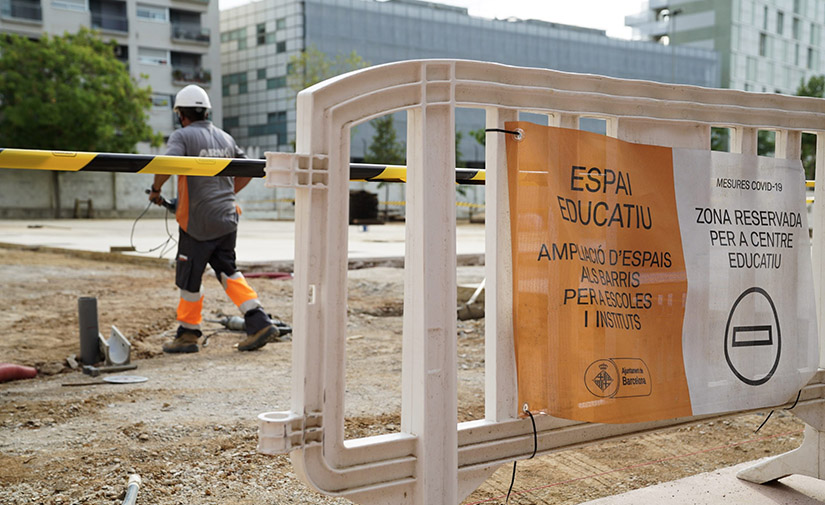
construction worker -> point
(207, 216)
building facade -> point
(764, 45)
(166, 44)
(258, 39)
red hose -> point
(268, 275)
(10, 372)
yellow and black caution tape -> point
(402, 203)
(69, 161)
(397, 203)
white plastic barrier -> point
(433, 461)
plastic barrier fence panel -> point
(654, 282)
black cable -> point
(798, 395)
(163, 246)
(535, 449)
(512, 481)
(763, 422)
(535, 434)
(517, 133)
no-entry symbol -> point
(753, 340)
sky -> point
(605, 15)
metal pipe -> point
(87, 319)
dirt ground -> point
(190, 431)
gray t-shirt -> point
(206, 205)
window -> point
(763, 44)
(765, 18)
(270, 38)
(160, 101)
(238, 34)
(235, 78)
(797, 6)
(275, 125)
(260, 33)
(151, 56)
(231, 122)
(796, 56)
(280, 24)
(276, 82)
(239, 78)
(780, 22)
(810, 61)
(72, 5)
(795, 28)
(261, 73)
(750, 66)
(153, 13)
(280, 47)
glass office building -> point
(258, 39)
(764, 45)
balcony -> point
(110, 22)
(190, 33)
(22, 10)
(191, 75)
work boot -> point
(259, 338)
(186, 340)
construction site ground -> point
(190, 431)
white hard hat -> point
(192, 96)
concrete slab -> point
(259, 241)
(722, 486)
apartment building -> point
(166, 44)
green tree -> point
(312, 66)
(815, 87)
(385, 147)
(480, 135)
(70, 92)
(459, 156)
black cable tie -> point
(519, 134)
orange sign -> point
(599, 277)
(653, 283)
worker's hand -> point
(154, 196)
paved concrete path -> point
(722, 487)
(258, 240)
